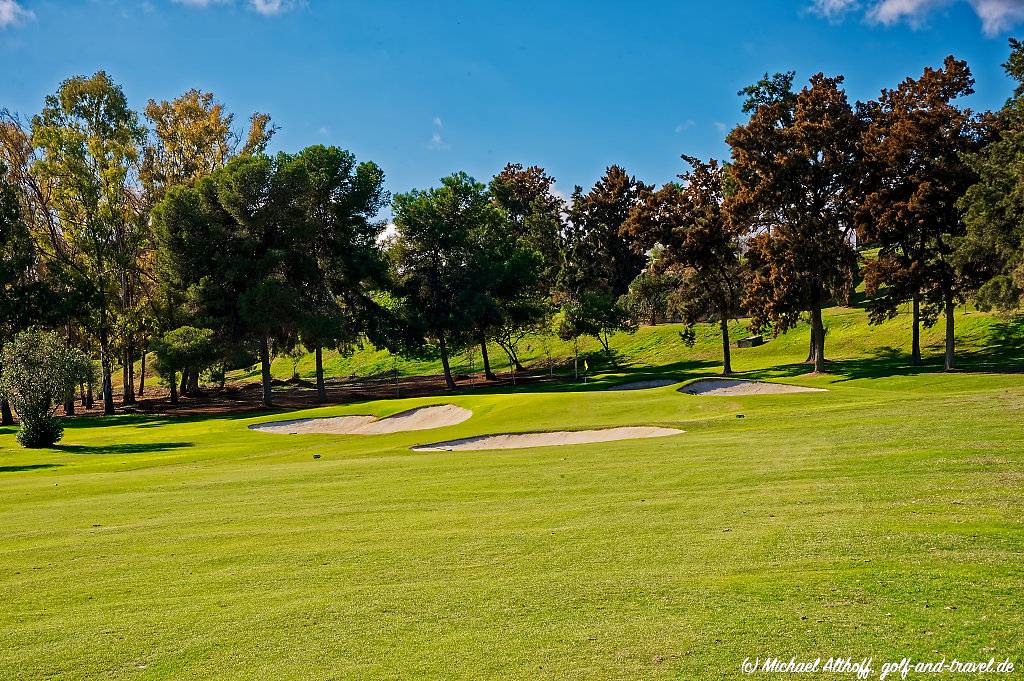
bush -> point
(40, 373)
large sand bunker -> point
(730, 387)
(643, 385)
(423, 418)
(565, 437)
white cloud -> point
(720, 126)
(265, 7)
(834, 9)
(271, 7)
(437, 142)
(997, 16)
(684, 126)
(13, 14)
(913, 12)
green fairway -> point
(881, 518)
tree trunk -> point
(444, 363)
(142, 375)
(88, 394)
(726, 358)
(223, 374)
(810, 350)
(321, 391)
(108, 387)
(128, 378)
(6, 416)
(576, 358)
(183, 388)
(606, 344)
(193, 382)
(488, 374)
(268, 396)
(950, 335)
(818, 337)
(69, 406)
(915, 344)
(174, 387)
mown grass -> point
(881, 518)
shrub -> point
(183, 349)
(39, 373)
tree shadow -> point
(612, 376)
(29, 467)
(140, 448)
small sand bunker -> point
(643, 385)
(423, 418)
(565, 437)
(730, 387)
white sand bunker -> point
(729, 387)
(643, 385)
(423, 418)
(565, 437)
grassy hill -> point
(985, 342)
(881, 518)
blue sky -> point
(428, 88)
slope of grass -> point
(1000, 340)
(881, 518)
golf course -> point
(879, 517)
(470, 341)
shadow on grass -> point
(29, 467)
(140, 448)
(610, 377)
(1002, 352)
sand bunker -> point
(423, 418)
(730, 387)
(642, 385)
(566, 437)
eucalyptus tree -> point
(22, 293)
(88, 140)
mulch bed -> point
(291, 395)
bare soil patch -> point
(731, 387)
(547, 439)
(422, 418)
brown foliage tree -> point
(698, 245)
(795, 170)
(915, 143)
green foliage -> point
(648, 297)
(39, 372)
(453, 261)
(183, 348)
(89, 141)
(993, 249)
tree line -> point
(175, 235)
